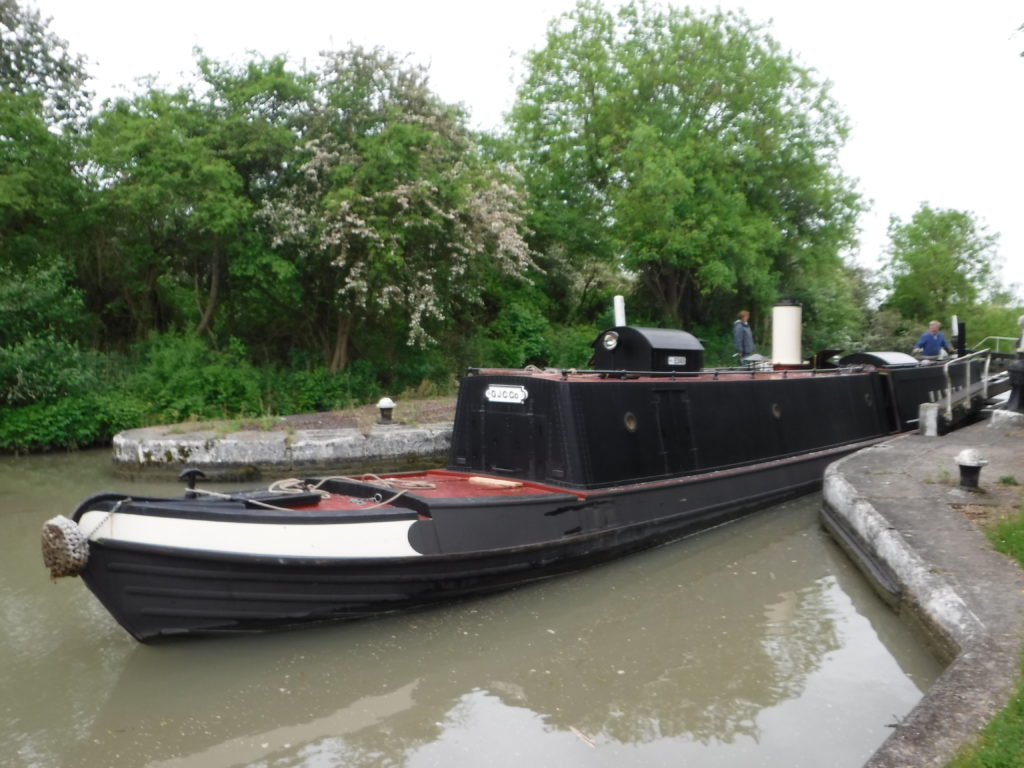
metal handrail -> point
(997, 339)
(967, 377)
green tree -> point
(171, 212)
(177, 177)
(395, 216)
(39, 191)
(690, 151)
(43, 102)
(260, 113)
(941, 262)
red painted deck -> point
(439, 484)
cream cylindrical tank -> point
(786, 333)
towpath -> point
(901, 513)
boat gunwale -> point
(397, 560)
(236, 511)
(704, 374)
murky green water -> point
(754, 645)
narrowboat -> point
(549, 471)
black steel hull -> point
(606, 464)
(156, 591)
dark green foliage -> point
(889, 330)
(994, 325)
(308, 391)
(45, 369)
(516, 337)
(394, 217)
(40, 195)
(71, 422)
(273, 239)
(568, 346)
(181, 377)
(41, 300)
(940, 263)
(689, 151)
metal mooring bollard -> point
(386, 406)
(970, 462)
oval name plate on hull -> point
(503, 393)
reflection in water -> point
(755, 644)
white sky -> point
(934, 89)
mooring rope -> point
(295, 485)
(229, 497)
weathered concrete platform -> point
(898, 509)
(252, 454)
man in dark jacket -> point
(743, 336)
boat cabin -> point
(648, 412)
(625, 348)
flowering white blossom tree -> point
(393, 203)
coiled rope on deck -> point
(295, 485)
(403, 486)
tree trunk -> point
(213, 297)
(339, 357)
(668, 287)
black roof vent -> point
(625, 348)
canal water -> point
(757, 644)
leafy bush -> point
(318, 389)
(39, 302)
(71, 422)
(181, 377)
(993, 321)
(569, 346)
(516, 337)
(46, 369)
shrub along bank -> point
(55, 396)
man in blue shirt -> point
(931, 342)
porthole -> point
(776, 410)
(630, 421)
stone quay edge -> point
(249, 454)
